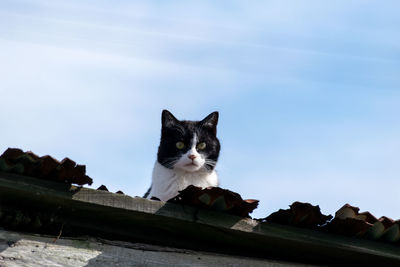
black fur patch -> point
(147, 193)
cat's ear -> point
(211, 122)
(167, 119)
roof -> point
(210, 219)
(41, 206)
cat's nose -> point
(192, 157)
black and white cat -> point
(187, 155)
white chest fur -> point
(167, 182)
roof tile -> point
(14, 160)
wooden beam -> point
(136, 219)
(17, 249)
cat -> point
(187, 155)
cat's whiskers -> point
(170, 162)
(209, 164)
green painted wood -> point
(136, 219)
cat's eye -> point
(180, 145)
(201, 146)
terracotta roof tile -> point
(216, 198)
(102, 188)
(350, 222)
(14, 160)
(300, 214)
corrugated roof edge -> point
(136, 219)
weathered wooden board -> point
(18, 249)
(136, 219)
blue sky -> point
(308, 92)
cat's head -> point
(189, 145)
